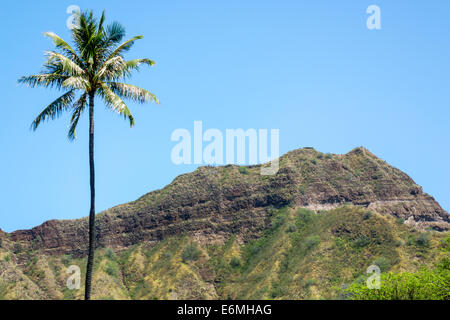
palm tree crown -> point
(94, 67)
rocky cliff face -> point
(212, 203)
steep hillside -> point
(213, 202)
(301, 255)
(228, 232)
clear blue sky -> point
(309, 68)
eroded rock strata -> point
(213, 202)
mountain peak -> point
(214, 202)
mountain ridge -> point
(211, 203)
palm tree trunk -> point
(90, 261)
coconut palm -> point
(93, 67)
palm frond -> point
(134, 65)
(78, 111)
(84, 37)
(124, 47)
(100, 24)
(114, 33)
(79, 83)
(54, 67)
(63, 45)
(114, 102)
(43, 80)
(68, 66)
(116, 68)
(110, 68)
(132, 92)
(55, 109)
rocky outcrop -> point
(213, 202)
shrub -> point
(112, 269)
(361, 279)
(423, 240)
(17, 248)
(271, 211)
(362, 241)
(302, 189)
(367, 215)
(446, 243)
(278, 291)
(243, 170)
(291, 228)
(191, 253)
(142, 286)
(426, 284)
(235, 262)
(66, 260)
(256, 250)
(310, 282)
(278, 221)
(411, 240)
(399, 220)
(305, 216)
(383, 263)
(110, 254)
(312, 241)
(7, 258)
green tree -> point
(94, 67)
(425, 284)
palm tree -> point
(93, 68)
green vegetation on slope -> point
(313, 256)
(302, 255)
(425, 284)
